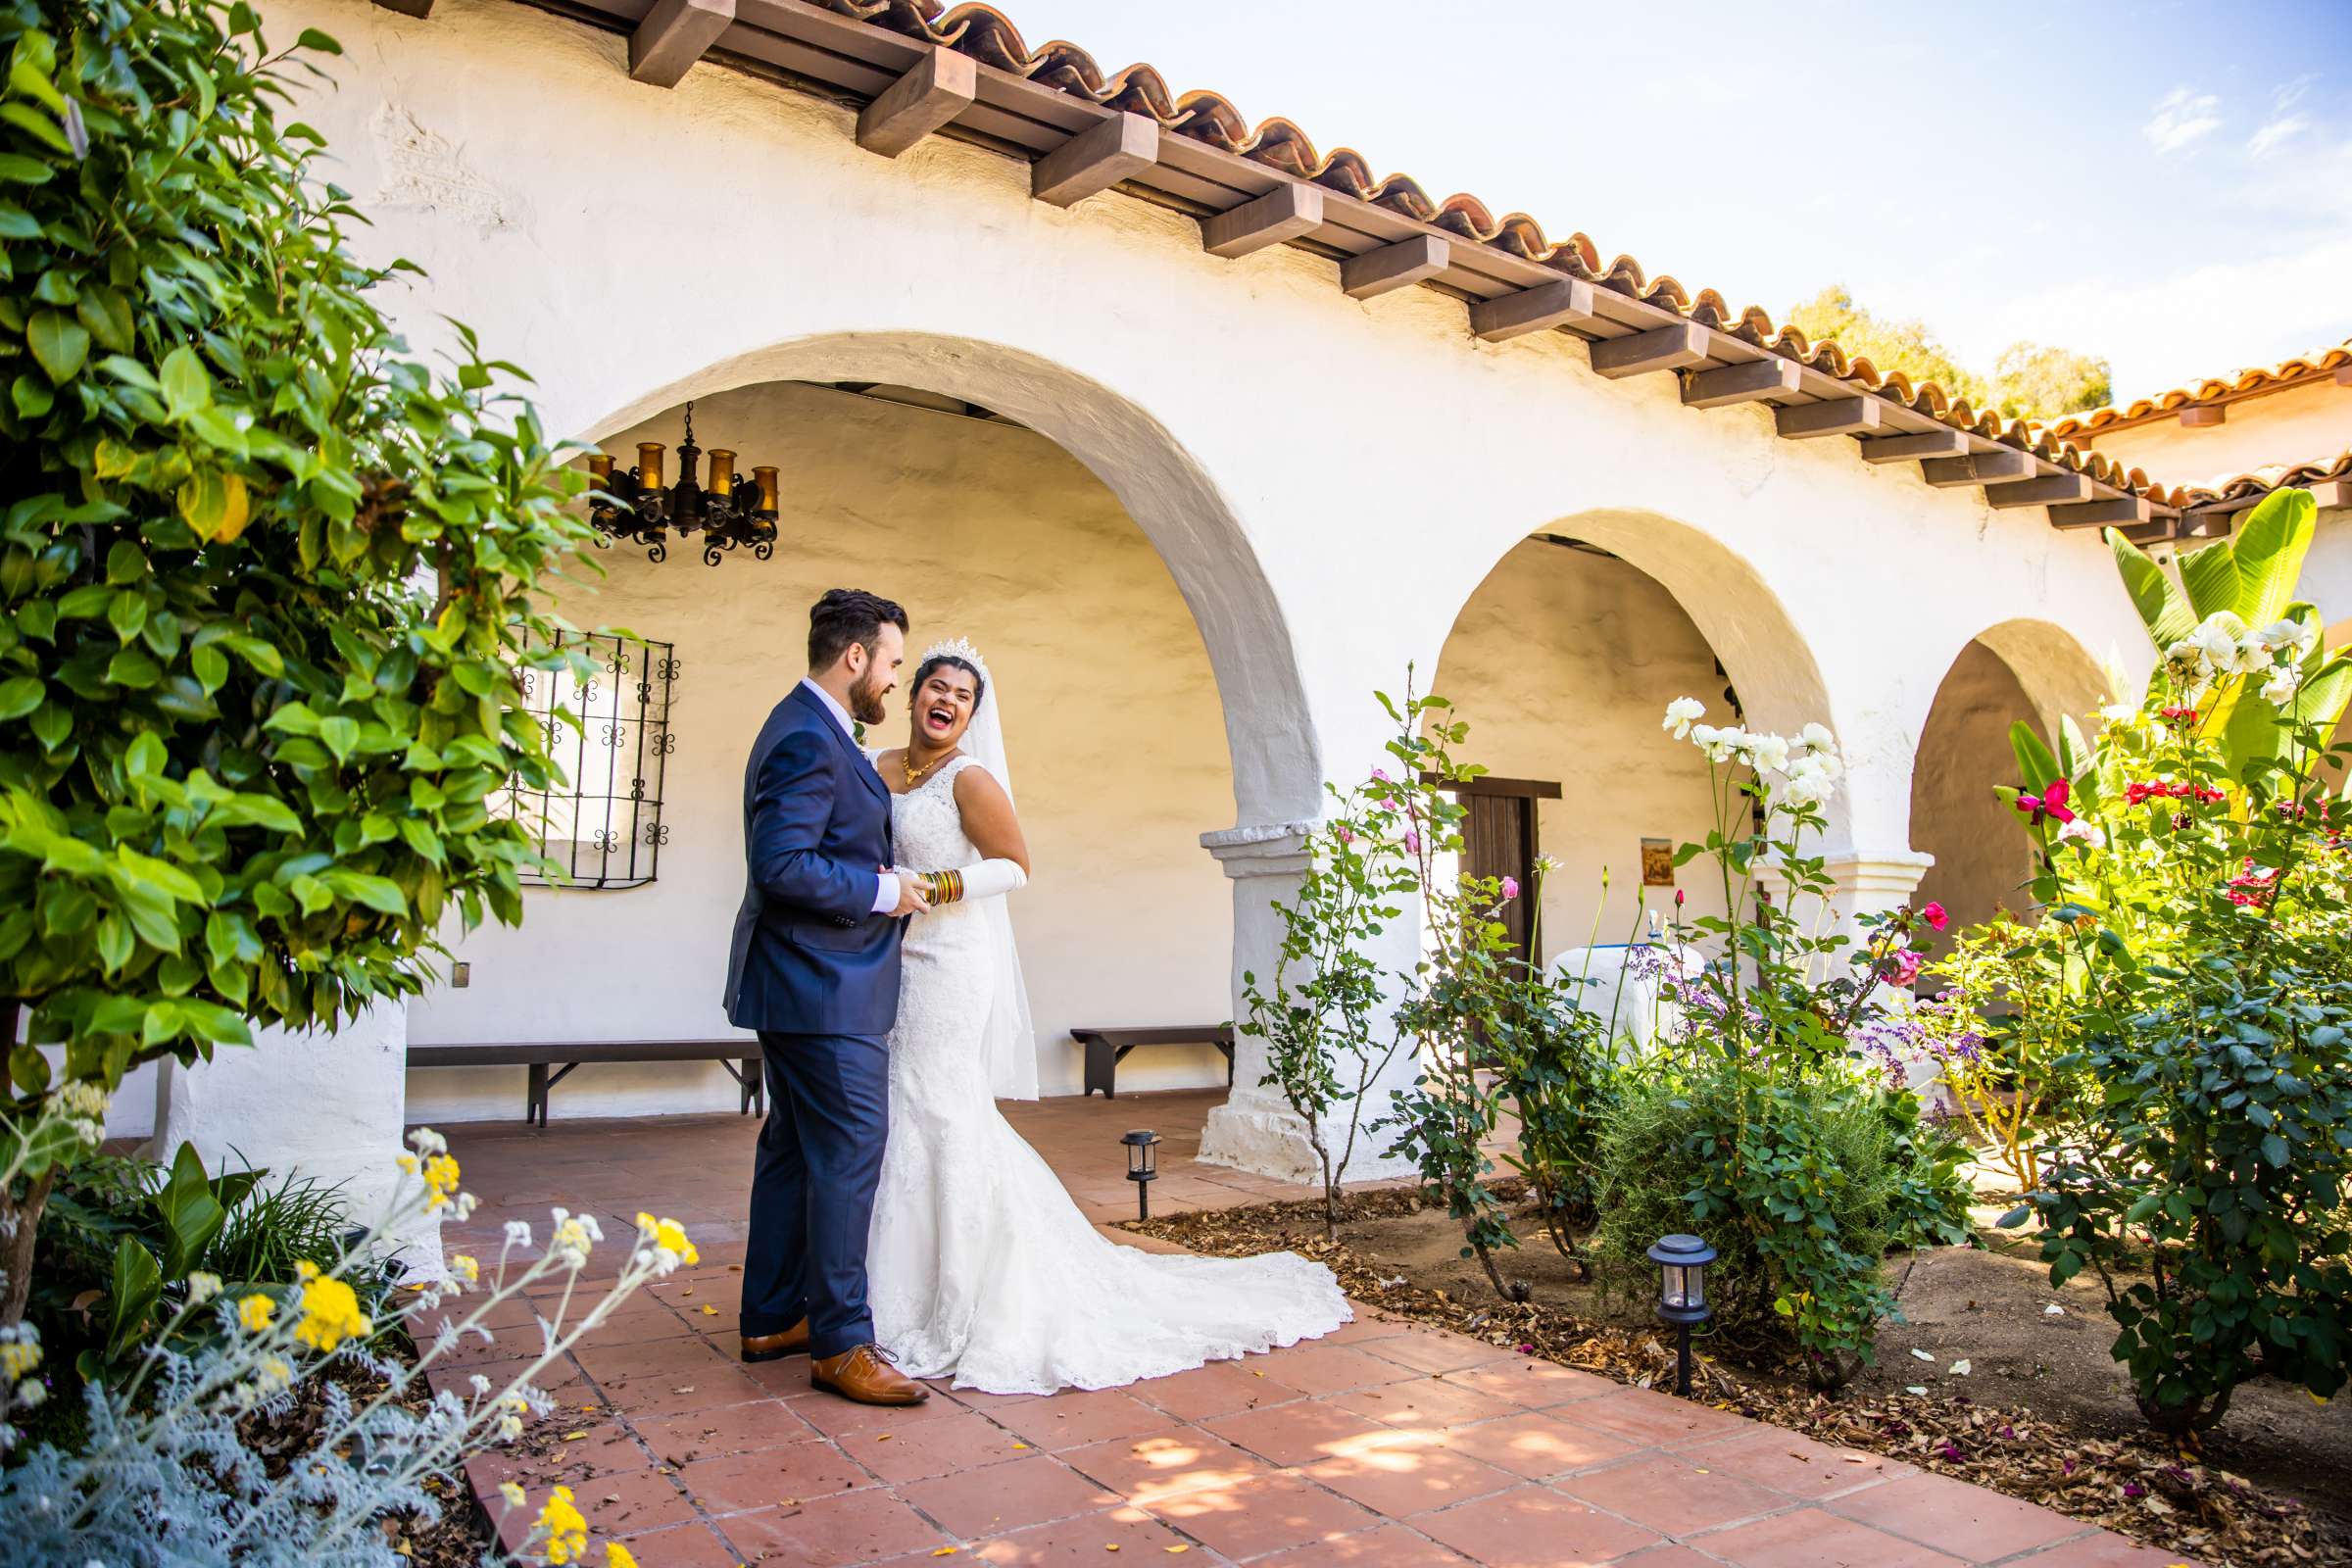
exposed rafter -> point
(1095, 160)
(1283, 213)
(674, 34)
(1836, 416)
(1773, 377)
(1667, 348)
(1569, 302)
(1394, 266)
(941, 86)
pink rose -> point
(1935, 916)
(1510, 888)
(1902, 965)
(1345, 837)
(1413, 842)
(1381, 773)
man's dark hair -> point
(847, 616)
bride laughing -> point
(982, 1269)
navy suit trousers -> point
(812, 1188)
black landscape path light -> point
(1142, 1166)
(1683, 1296)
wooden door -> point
(1499, 840)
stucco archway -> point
(1562, 658)
(1277, 764)
(2020, 669)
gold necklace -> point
(916, 775)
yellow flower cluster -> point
(255, 1312)
(669, 1236)
(439, 1172)
(567, 1530)
(331, 1311)
(18, 1357)
(618, 1555)
(466, 1268)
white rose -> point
(2221, 638)
(1815, 737)
(1681, 712)
(2281, 687)
(1771, 752)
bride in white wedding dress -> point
(981, 1268)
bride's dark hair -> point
(943, 661)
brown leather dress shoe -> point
(864, 1373)
(775, 1346)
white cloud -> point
(2184, 117)
(2287, 94)
(2275, 133)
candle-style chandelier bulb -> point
(729, 513)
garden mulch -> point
(2121, 1480)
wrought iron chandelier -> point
(732, 514)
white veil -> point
(1009, 1044)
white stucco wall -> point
(1563, 663)
(1327, 480)
(2301, 424)
(1111, 723)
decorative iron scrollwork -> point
(598, 824)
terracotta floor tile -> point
(1795, 1465)
(574, 1447)
(829, 1532)
(1221, 1388)
(1530, 1527)
(964, 1439)
(836, 1416)
(1429, 1350)
(688, 1546)
(1331, 1368)
(679, 1392)
(1533, 1382)
(684, 1357)
(1427, 1403)
(1300, 1432)
(1389, 1547)
(1139, 1537)
(1070, 1419)
(1161, 1464)
(1266, 1514)
(1672, 1494)
(768, 1477)
(655, 1324)
(625, 1506)
(1669, 1556)
(1812, 1538)
(1005, 1498)
(1534, 1444)
(1656, 1419)
(1937, 1509)
(690, 1435)
(2103, 1550)
(1408, 1476)
(1368, 1326)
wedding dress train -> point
(980, 1267)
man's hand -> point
(910, 894)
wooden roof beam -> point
(1835, 416)
(1394, 266)
(2118, 511)
(1982, 467)
(1727, 384)
(1288, 210)
(2164, 528)
(940, 87)
(1667, 348)
(1909, 448)
(674, 34)
(1566, 303)
(2047, 490)
(1093, 161)
(2333, 493)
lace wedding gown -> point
(980, 1267)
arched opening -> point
(1128, 734)
(2017, 671)
(1563, 659)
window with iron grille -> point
(601, 824)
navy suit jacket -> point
(810, 956)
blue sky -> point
(2168, 185)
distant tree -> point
(2033, 382)
(2028, 381)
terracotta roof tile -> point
(2303, 367)
(989, 36)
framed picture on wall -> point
(1657, 862)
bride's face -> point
(941, 705)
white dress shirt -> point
(886, 890)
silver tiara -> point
(958, 648)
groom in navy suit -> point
(814, 969)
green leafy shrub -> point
(265, 581)
(1800, 1184)
(2198, 881)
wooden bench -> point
(741, 1057)
(1106, 1049)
